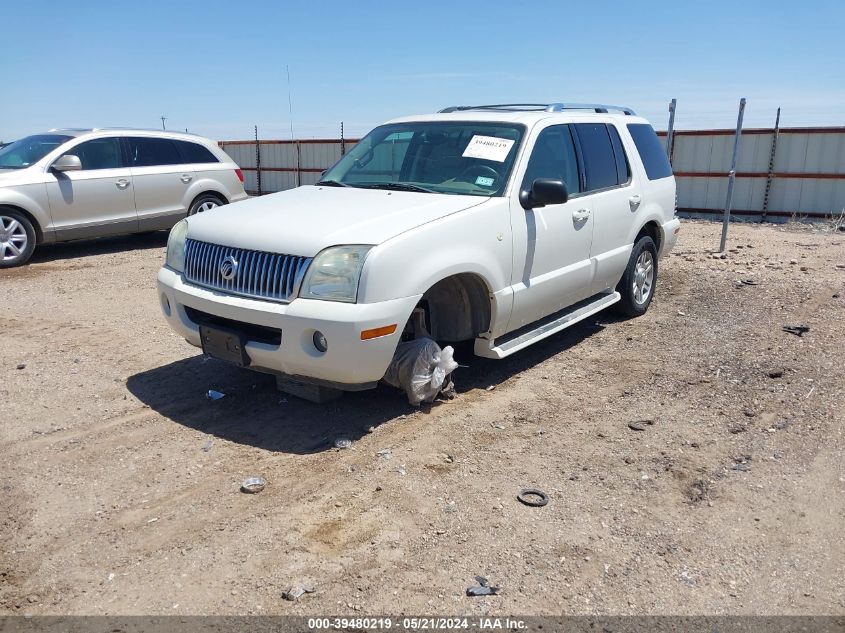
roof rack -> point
(120, 128)
(542, 107)
(125, 128)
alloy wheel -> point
(643, 277)
(208, 205)
(13, 238)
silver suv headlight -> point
(176, 246)
(334, 274)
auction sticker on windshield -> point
(488, 148)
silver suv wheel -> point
(207, 206)
(13, 239)
(203, 203)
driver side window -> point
(554, 157)
(100, 153)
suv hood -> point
(10, 177)
(306, 220)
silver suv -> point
(73, 184)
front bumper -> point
(348, 362)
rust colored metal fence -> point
(781, 173)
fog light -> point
(320, 341)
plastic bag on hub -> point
(421, 369)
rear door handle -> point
(634, 201)
(580, 214)
(123, 183)
(186, 178)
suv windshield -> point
(23, 153)
(467, 158)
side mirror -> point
(544, 191)
(68, 162)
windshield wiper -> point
(398, 186)
(332, 183)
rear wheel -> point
(17, 238)
(205, 202)
(640, 278)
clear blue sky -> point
(217, 68)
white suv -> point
(71, 184)
(502, 223)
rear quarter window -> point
(651, 152)
(195, 153)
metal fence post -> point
(731, 177)
(771, 173)
(258, 161)
(670, 131)
(298, 166)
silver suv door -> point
(96, 200)
(161, 181)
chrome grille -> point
(257, 274)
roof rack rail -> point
(125, 128)
(119, 128)
(542, 107)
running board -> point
(522, 338)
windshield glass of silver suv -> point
(456, 158)
(23, 153)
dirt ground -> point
(120, 478)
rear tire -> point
(17, 238)
(639, 280)
(205, 202)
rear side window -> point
(99, 153)
(554, 157)
(149, 152)
(654, 157)
(623, 171)
(195, 153)
(599, 159)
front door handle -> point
(580, 214)
(186, 178)
(123, 183)
(634, 201)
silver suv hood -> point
(9, 177)
(305, 220)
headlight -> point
(334, 274)
(176, 246)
